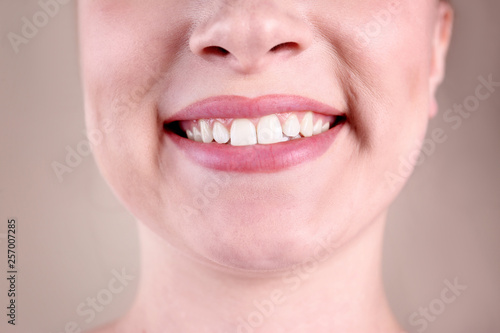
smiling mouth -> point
(265, 134)
(266, 130)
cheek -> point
(121, 82)
(127, 47)
(127, 52)
(386, 80)
(394, 79)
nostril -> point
(285, 46)
(215, 50)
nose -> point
(248, 35)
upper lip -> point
(238, 107)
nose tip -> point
(248, 36)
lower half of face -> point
(256, 134)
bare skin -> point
(295, 250)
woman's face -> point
(368, 68)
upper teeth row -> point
(269, 130)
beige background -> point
(72, 234)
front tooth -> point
(317, 127)
(206, 132)
(306, 127)
(269, 130)
(291, 127)
(221, 134)
(243, 133)
(197, 135)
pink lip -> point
(243, 107)
(257, 158)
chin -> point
(258, 240)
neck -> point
(341, 293)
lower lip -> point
(257, 158)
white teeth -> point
(197, 135)
(306, 127)
(221, 134)
(206, 132)
(243, 133)
(291, 127)
(317, 127)
(269, 130)
(190, 135)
